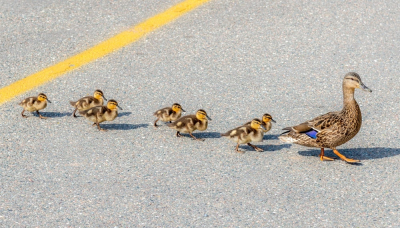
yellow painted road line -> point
(121, 40)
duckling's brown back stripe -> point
(106, 47)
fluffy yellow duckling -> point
(169, 114)
(190, 123)
(32, 104)
(246, 134)
(266, 122)
(88, 102)
(100, 114)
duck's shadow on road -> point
(357, 153)
(266, 148)
(207, 135)
(53, 114)
(123, 126)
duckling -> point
(247, 133)
(100, 114)
(266, 122)
(169, 114)
(334, 128)
(190, 123)
(32, 104)
(88, 102)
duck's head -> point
(256, 124)
(98, 94)
(267, 118)
(177, 108)
(353, 81)
(113, 104)
(43, 97)
(202, 115)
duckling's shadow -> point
(357, 153)
(53, 114)
(206, 135)
(123, 126)
(124, 114)
(269, 137)
(266, 148)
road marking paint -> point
(106, 47)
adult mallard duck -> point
(334, 128)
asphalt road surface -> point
(235, 59)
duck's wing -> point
(98, 110)
(164, 111)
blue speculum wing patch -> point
(312, 133)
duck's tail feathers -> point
(287, 139)
(73, 103)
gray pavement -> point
(235, 59)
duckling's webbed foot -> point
(73, 114)
(155, 123)
(196, 138)
(22, 114)
(237, 149)
(322, 157)
(40, 116)
(256, 148)
(178, 134)
(341, 156)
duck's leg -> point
(190, 133)
(256, 148)
(341, 156)
(237, 149)
(40, 116)
(178, 134)
(98, 126)
(22, 114)
(155, 122)
(322, 157)
(73, 114)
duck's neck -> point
(350, 106)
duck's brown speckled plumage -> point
(334, 128)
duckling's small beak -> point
(263, 127)
(273, 120)
(208, 117)
(365, 88)
(119, 107)
(48, 100)
(104, 97)
(183, 110)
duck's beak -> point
(273, 120)
(208, 117)
(183, 110)
(365, 88)
(119, 107)
(104, 97)
(48, 100)
(263, 127)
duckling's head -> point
(98, 94)
(43, 97)
(256, 124)
(177, 108)
(202, 115)
(353, 81)
(113, 104)
(267, 118)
